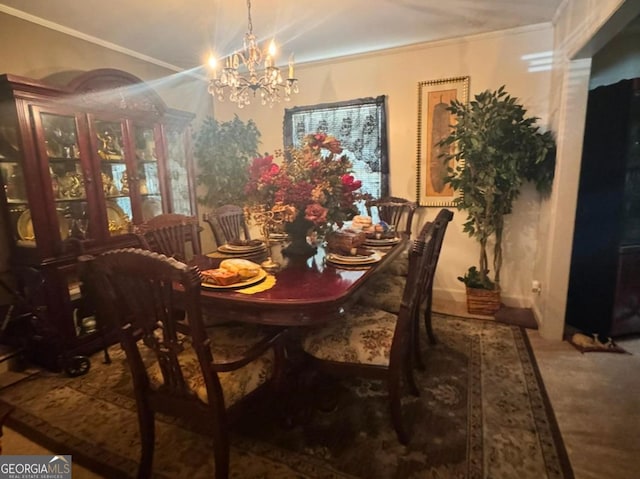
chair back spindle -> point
(227, 223)
(171, 234)
(392, 210)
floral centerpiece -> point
(313, 187)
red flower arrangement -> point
(315, 180)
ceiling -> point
(179, 34)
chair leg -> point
(221, 450)
(395, 409)
(427, 322)
(408, 373)
(416, 350)
(147, 437)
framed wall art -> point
(434, 121)
(361, 127)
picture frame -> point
(361, 127)
(434, 124)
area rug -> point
(482, 413)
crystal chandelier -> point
(268, 82)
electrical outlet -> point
(535, 286)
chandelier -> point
(268, 82)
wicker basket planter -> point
(483, 301)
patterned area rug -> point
(483, 412)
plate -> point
(236, 249)
(25, 226)
(151, 207)
(278, 236)
(242, 284)
(381, 241)
(118, 220)
(353, 260)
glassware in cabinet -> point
(114, 176)
(147, 171)
(178, 169)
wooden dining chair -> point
(373, 343)
(179, 368)
(171, 234)
(385, 291)
(227, 223)
(392, 210)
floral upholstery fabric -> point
(384, 292)
(227, 342)
(363, 336)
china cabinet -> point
(604, 283)
(80, 165)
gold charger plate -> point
(241, 284)
(151, 207)
(234, 249)
(116, 217)
(353, 260)
(25, 226)
(381, 241)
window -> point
(361, 127)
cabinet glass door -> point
(147, 172)
(67, 179)
(177, 167)
(13, 181)
(116, 185)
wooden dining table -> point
(306, 291)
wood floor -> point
(595, 396)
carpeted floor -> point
(482, 412)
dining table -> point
(303, 292)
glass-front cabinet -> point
(79, 166)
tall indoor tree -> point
(496, 148)
(223, 150)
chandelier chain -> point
(249, 16)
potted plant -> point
(222, 151)
(496, 148)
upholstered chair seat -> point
(362, 336)
(228, 343)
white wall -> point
(490, 60)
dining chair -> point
(171, 234)
(392, 210)
(227, 223)
(373, 343)
(205, 377)
(385, 291)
